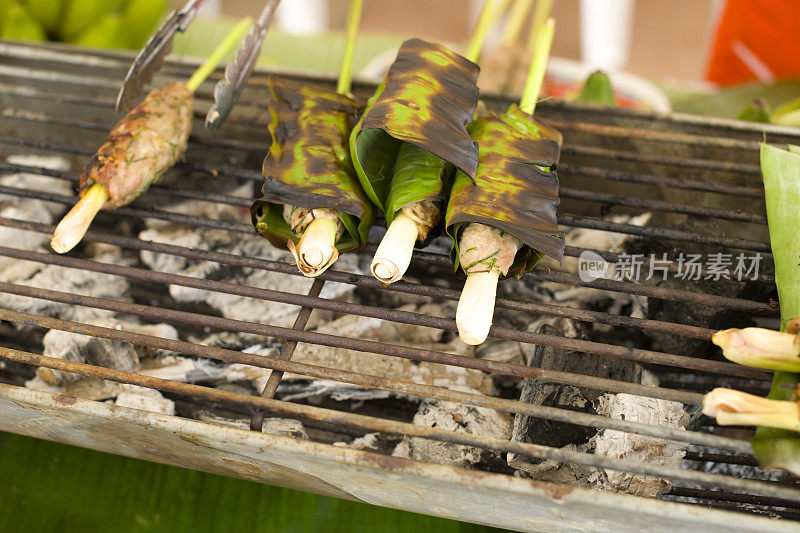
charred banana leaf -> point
(515, 188)
(427, 99)
(309, 165)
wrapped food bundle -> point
(514, 193)
(409, 142)
(308, 174)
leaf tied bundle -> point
(515, 188)
(309, 165)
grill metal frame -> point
(627, 147)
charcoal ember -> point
(622, 445)
(185, 369)
(384, 365)
(288, 427)
(144, 399)
(459, 418)
(709, 316)
(86, 349)
(543, 392)
(588, 439)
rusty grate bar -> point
(282, 365)
(370, 282)
(597, 348)
(360, 345)
(539, 275)
(287, 350)
(307, 412)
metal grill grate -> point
(59, 100)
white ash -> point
(460, 418)
(621, 445)
(36, 182)
(163, 331)
(85, 388)
(68, 280)
(184, 369)
(144, 399)
(86, 349)
(370, 441)
(232, 306)
(287, 427)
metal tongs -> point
(151, 58)
(237, 72)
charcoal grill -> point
(55, 99)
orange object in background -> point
(756, 40)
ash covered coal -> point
(603, 442)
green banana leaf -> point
(427, 99)
(418, 175)
(515, 189)
(308, 164)
(780, 448)
(757, 110)
(597, 89)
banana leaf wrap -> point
(308, 164)
(515, 189)
(427, 99)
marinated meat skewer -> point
(147, 142)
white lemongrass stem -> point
(316, 250)
(760, 348)
(735, 408)
(74, 225)
(476, 306)
(394, 252)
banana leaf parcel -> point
(308, 164)
(515, 188)
(413, 132)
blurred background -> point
(711, 57)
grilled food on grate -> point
(146, 143)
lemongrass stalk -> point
(219, 53)
(74, 225)
(735, 408)
(540, 15)
(394, 252)
(346, 70)
(760, 348)
(491, 11)
(533, 83)
(516, 19)
(316, 250)
(476, 306)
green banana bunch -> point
(105, 33)
(18, 23)
(139, 18)
(47, 12)
(79, 15)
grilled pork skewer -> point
(147, 142)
